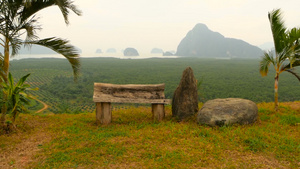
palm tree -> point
(18, 18)
(16, 96)
(287, 50)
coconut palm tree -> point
(18, 19)
(285, 56)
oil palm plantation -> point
(286, 55)
(18, 19)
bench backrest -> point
(130, 93)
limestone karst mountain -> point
(202, 42)
(131, 52)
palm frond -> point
(267, 59)
(1, 59)
(10, 80)
(288, 65)
(32, 7)
(293, 36)
(15, 44)
(278, 29)
(30, 27)
(293, 43)
(22, 80)
(61, 47)
(293, 73)
(65, 6)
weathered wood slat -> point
(158, 112)
(127, 100)
(146, 87)
(103, 113)
(104, 92)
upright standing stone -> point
(185, 98)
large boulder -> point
(219, 112)
(185, 98)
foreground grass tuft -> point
(134, 141)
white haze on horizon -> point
(144, 24)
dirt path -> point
(44, 108)
(19, 149)
(22, 154)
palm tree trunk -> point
(6, 59)
(276, 91)
(5, 72)
(3, 113)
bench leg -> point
(103, 113)
(158, 111)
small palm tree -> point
(287, 50)
(18, 18)
(16, 96)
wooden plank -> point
(158, 112)
(98, 113)
(128, 100)
(130, 93)
(103, 113)
(143, 87)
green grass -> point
(134, 141)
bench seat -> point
(105, 94)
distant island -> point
(98, 51)
(168, 53)
(131, 52)
(111, 50)
(156, 50)
(202, 42)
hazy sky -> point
(145, 24)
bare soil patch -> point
(19, 152)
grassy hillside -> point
(134, 141)
(221, 79)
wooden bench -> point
(105, 94)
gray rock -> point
(219, 112)
(185, 98)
